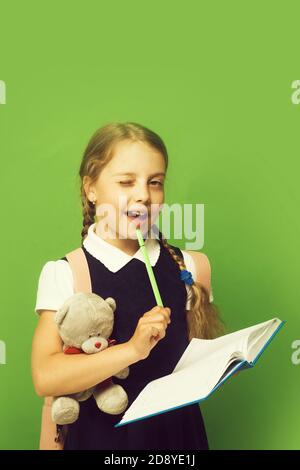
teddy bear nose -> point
(98, 345)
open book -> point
(203, 367)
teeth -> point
(136, 214)
(133, 213)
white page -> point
(176, 389)
(234, 342)
(189, 384)
(256, 342)
(199, 350)
(195, 375)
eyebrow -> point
(134, 174)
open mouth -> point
(136, 216)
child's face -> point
(133, 179)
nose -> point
(142, 193)
(97, 345)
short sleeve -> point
(190, 266)
(55, 285)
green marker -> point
(149, 268)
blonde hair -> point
(203, 318)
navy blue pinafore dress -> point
(178, 429)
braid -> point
(203, 317)
(88, 212)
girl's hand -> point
(150, 329)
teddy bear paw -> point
(122, 374)
(112, 400)
(65, 410)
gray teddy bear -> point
(85, 322)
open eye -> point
(98, 334)
(90, 336)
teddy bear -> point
(85, 322)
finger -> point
(152, 334)
(158, 316)
(159, 309)
(161, 315)
(148, 328)
(157, 331)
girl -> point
(128, 162)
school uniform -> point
(116, 274)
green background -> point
(214, 80)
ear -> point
(60, 314)
(88, 188)
(111, 302)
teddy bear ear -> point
(111, 302)
(60, 314)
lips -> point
(136, 217)
(136, 213)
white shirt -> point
(56, 283)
